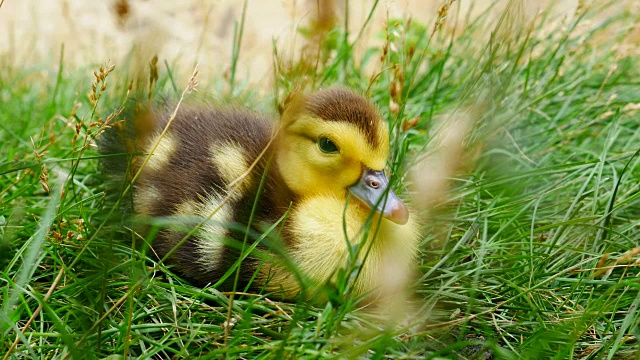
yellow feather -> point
(167, 146)
(145, 198)
(298, 153)
(321, 246)
(212, 233)
(231, 163)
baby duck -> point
(315, 183)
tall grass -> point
(534, 253)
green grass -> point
(508, 266)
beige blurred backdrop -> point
(190, 31)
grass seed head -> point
(443, 11)
(44, 179)
(409, 124)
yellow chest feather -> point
(326, 236)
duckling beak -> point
(371, 189)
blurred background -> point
(186, 32)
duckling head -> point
(335, 143)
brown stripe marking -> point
(339, 104)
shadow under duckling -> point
(318, 174)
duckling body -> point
(316, 175)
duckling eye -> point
(327, 146)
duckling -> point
(315, 181)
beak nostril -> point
(373, 191)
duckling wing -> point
(190, 181)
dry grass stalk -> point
(446, 158)
(443, 11)
(626, 260)
(153, 74)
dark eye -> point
(327, 146)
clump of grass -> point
(533, 255)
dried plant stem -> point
(191, 87)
